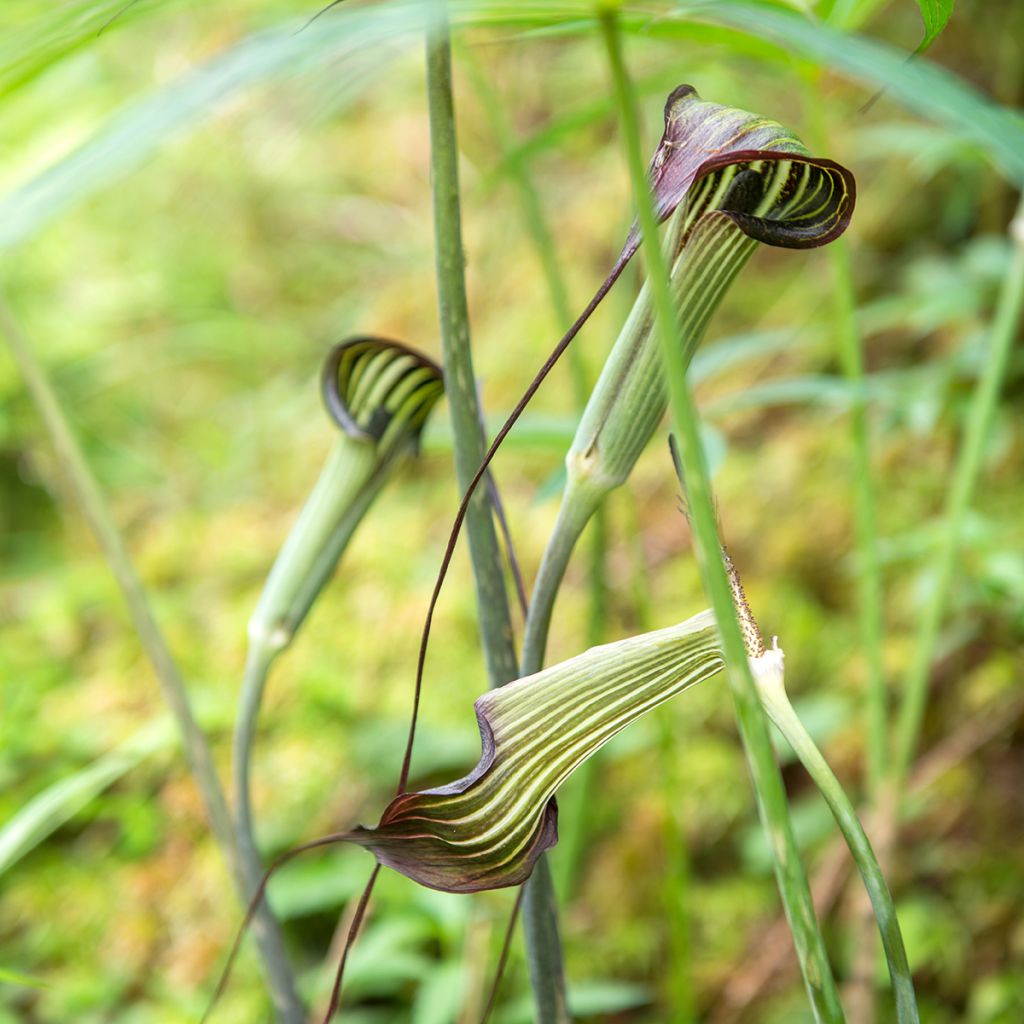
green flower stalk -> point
(768, 673)
(380, 393)
(732, 179)
(769, 678)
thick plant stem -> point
(768, 786)
(965, 476)
(769, 675)
(544, 946)
(244, 872)
(460, 387)
(254, 680)
(540, 921)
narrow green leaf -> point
(767, 781)
(9, 977)
(919, 85)
(935, 14)
(57, 804)
(38, 36)
(486, 830)
(128, 138)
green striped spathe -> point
(486, 830)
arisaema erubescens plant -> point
(725, 180)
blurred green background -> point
(258, 195)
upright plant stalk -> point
(539, 912)
(571, 838)
(965, 476)
(771, 795)
(492, 600)
(245, 873)
(768, 670)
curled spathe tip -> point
(374, 387)
(812, 206)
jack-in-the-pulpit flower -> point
(729, 180)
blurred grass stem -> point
(539, 911)
(870, 592)
(768, 786)
(245, 873)
(965, 476)
(869, 572)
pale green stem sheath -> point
(770, 679)
(351, 478)
(768, 785)
(965, 476)
(573, 516)
(540, 916)
(246, 875)
(629, 401)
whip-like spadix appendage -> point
(487, 830)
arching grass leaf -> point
(919, 85)
(38, 36)
(46, 812)
(357, 41)
(486, 830)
